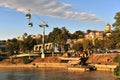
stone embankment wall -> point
(103, 61)
(34, 65)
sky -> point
(74, 15)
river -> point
(52, 74)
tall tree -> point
(29, 43)
(115, 35)
(54, 35)
(87, 44)
(59, 36)
(77, 34)
(116, 24)
(99, 44)
(115, 38)
(12, 46)
(78, 47)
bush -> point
(117, 71)
(26, 60)
(117, 59)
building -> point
(99, 35)
(108, 28)
(21, 38)
(94, 34)
(47, 47)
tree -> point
(59, 37)
(66, 47)
(2, 42)
(99, 44)
(117, 69)
(116, 24)
(77, 35)
(78, 47)
(88, 31)
(117, 59)
(54, 35)
(87, 44)
(114, 38)
(29, 43)
(12, 46)
(109, 44)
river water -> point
(52, 74)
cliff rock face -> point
(106, 59)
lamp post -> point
(43, 25)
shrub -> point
(26, 60)
(117, 59)
(117, 71)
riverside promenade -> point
(100, 61)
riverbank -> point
(100, 61)
(102, 67)
(58, 65)
(34, 65)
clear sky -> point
(73, 14)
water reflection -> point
(52, 74)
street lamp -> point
(43, 25)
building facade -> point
(21, 38)
(47, 47)
(94, 34)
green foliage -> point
(115, 36)
(59, 36)
(54, 36)
(118, 45)
(26, 60)
(111, 44)
(87, 44)
(116, 24)
(117, 71)
(117, 59)
(12, 46)
(88, 31)
(2, 42)
(78, 47)
(114, 39)
(66, 47)
(27, 44)
(99, 44)
(77, 35)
